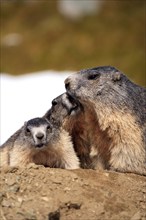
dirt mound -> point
(38, 193)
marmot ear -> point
(25, 123)
(116, 76)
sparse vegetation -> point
(114, 36)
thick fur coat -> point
(40, 143)
(115, 111)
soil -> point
(39, 193)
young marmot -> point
(41, 143)
(116, 112)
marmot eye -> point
(48, 127)
(54, 102)
(27, 130)
(93, 76)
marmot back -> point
(118, 117)
(40, 143)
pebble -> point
(45, 199)
(66, 189)
(106, 174)
(136, 216)
(71, 205)
(10, 182)
(27, 215)
(30, 216)
(6, 203)
(14, 188)
(8, 169)
(54, 215)
(2, 195)
(34, 166)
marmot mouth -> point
(75, 104)
(39, 145)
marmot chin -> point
(115, 110)
(41, 143)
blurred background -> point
(73, 35)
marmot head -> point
(98, 85)
(37, 132)
(63, 108)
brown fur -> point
(86, 134)
(113, 121)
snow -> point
(27, 96)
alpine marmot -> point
(115, 111)
(41, 143)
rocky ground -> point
(38, 193)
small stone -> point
(6, 203)
(34, 166)
(136, 216)
(18, 178)
(57, 182)
(45, 181)
(8, 169)
(106, 174)
(54, 215)
(74, 179)
(85, 184)
(10, 182)
(67, 189)
(14, 188)
(45, 199)
(20, 213)
(13, 169)
(30, 216)
(73, 205)
(20, 199)
(2, 195)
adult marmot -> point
(115, 109)
(41, 143)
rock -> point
(54, 215)
(71, 205)
(15, 188)
(45, 199)
(6, 203)
(136, 216)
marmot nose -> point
(54, 102)
(39, 136)
(67, 83)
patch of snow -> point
(27, 96)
